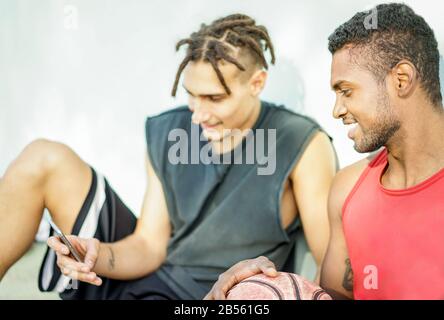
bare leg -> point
(45, 175)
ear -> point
(257, 82)
(405, 77)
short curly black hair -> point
(398, 34)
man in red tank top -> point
(387, 211)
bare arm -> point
(145, 250)
(337, 274)
(135, 256)
(312, 178)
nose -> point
(200, 114)
(339, 109)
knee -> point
(39, 158)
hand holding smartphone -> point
(80, 271)
(65, 240)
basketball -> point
(286, 286)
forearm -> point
(127, 259)
(336, 280)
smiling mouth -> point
(208, 126)
(353, 127)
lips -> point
(209, 126)
(353, 128)
(352, 124)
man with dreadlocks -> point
(197, 219)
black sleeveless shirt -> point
(224, 213)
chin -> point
(370, 146)
(359, 149)
(360, 146)
(212, 136)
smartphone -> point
(71, 248)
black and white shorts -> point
(103, 216)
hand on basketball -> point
(240, 271)
(87, 248)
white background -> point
(88, 72)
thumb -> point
(270, 271)
(91, 252)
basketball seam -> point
(276, 290)
(295, 286)
(317, 294)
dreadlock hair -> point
(215, 42)
(400, 34)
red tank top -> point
(395, 238)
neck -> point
(230, 142)
(416, 152)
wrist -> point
(101, 258)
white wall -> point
(90, 83)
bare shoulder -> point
(319, 153)
(319, 140)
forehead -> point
(344, 68)
(201, 78)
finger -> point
(72, 238)
(248, 268)
(68, 262)
(77, 243)
(270, 271)
(216, 288)
(226, 281)
(89, 277)
(221, 291)
(55, 244)
(91, 253)
(267, 267)
(209, 296)
(239, 272)
(233, 276)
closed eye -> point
(346, 92)
(216, 98)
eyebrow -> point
(206, 95)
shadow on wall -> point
(285, 85)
